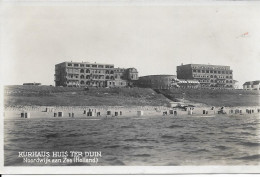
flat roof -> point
(85, 63)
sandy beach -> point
(122, 112)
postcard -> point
(130, 87)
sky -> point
(153, 39)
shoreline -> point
(123, 112)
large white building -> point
(84, 74)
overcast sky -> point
(153, 39)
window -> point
(87, 65)
(218, 72)
(194, 70)
(230, 77)
(100, 66)
(198, 71)
(223, 72)
(203, 71)
(69, 64)
(82, 82)
(211, 71)
(81, 65)
(207, 71)
(111, 72)
(87, 71)
(82, 76)
(76, 65)
(107, 77)
(82, 71)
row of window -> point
(211, 71)
(212, 76)
(217, 81)
(91, 77)
(210, 67)
(97, 71)
(89, 65)
(100, 83)
(90, 71)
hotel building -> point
(84, 74)
(209, 76)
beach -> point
(124, 112)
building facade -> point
(209, 76)
(84, 74)
(165, 82)
(252, 85)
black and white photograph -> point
(130, 87)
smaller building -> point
(252, 85)
(34, 83)
(166, 82)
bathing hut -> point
(27, 115)
(140, 113)
(190, 112)
(238, 111)
(170, 111)
(60, 114)
(90, 113)
(116, 113)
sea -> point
(164, 141)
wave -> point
(129, 126)
(200, 150)
(222, 147)
(141, 155)
(250, 144)
(251, 157)
(167, 136)
(175, 126)
(140, 140)
(74, 135)
(52, 135)
(112, 146)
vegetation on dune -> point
(61, 96)
(67, 96)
